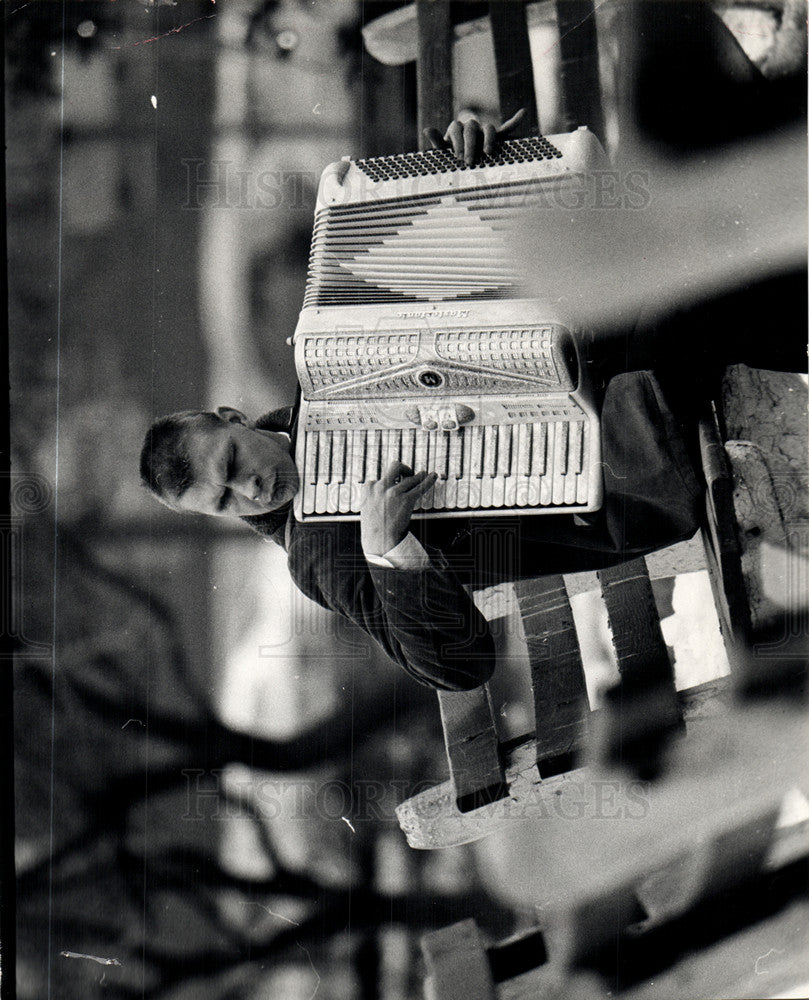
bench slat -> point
(642, 712)
(473, 751)
(557, 673)
(636, 634)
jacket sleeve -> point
(424, 620)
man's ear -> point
(231, 416)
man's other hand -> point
(388, 506)
(469, 140)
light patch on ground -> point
(693, 632)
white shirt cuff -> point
(408, 554)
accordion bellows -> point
(414, 343)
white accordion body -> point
(414, 343)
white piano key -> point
(396, 445)
(559, 462)
(576, 450)
(573, 464)
(420, 458)
(510, 492)
(438, 447)
(583, 478)
(454, 459)
(523, 453)
(429, 500)
(502, 465)
(372, 456)
(420, 462)
(462, 494)
(408, 447)
(504, 435)
(357, 469)
(539, 435)
(441, 454)
(384, 452)
(323, 471)
(489, 465)
(344, 496)
(474, 466)
(310, 458)
(338, 452)
(309, 472)
(546, 477)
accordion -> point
(415, 344)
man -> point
(403, 583)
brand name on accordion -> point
(429, 313)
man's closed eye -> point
(230, 462)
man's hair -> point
(165, 465)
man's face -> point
(237, 470)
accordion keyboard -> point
(499, 415)
(541, 464)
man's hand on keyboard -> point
(388, 506)
(469, 139)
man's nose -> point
(249, 486)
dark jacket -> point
(423, 620)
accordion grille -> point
(433, 161)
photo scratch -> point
(348, 823)
(306, 952)
(289, 920)
(91, 958)
(171, 31)
(761, 958)
(558, 41)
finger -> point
(437, 141)
(472, 141)
(424, 487)
(422, 483)
(514, 120)
(489, 139)
(393, 472)
(405, 480)
(412, 481)
(454, 136)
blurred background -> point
(162, 165)
(206, 764)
